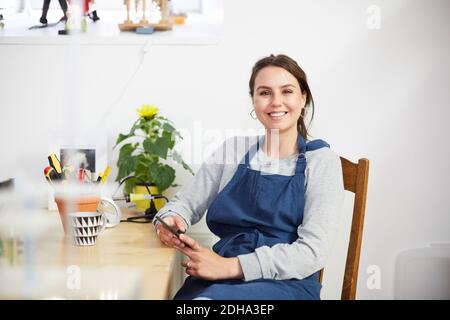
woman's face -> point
(277, 99)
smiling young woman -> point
(275, 212)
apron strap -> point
(301, 160)
(252, 151)
(303, 147)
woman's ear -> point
(304, 96)
(302, 112)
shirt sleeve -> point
(324, 195)
(191, 202)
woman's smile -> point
(279, 115)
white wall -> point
(380, 94)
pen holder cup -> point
(79, 204)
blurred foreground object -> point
(423, 273)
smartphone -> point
(174, 231)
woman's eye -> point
(264, 93)
(287, 91)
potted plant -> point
(148, 154)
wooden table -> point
(126, 250)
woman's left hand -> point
(206, 264)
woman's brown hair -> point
(291, 66)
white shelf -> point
(198, 30)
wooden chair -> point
(356, 177)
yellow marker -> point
(104, 175)
(54, 163)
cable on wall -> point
(110, 108)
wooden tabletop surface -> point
(120, 252)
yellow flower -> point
(147, 110)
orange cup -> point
(75, 204)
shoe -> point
(43, 20)
(94, 16)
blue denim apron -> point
(257, 209)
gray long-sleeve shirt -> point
(324, 194)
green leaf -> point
(126, 150)
(126, 167)
(155, 123)
(137, 124)
(163, 118)
(120, 138)
(162, 176)
(142, 159)
(168, 127)
(169, 136)
(177, 158)
(145, 127)
(142, 167)
(160, 147)
(126, 162)
(123, 137)
(147, 144)
(129, 186)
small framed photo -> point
(78, 157)
(86, 150)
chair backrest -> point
(356, 177)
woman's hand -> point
(165, 235)
(206, 264)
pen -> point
(104, 175)
(46, 174)
(50, 174)
(81, 175)
(55, 164)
